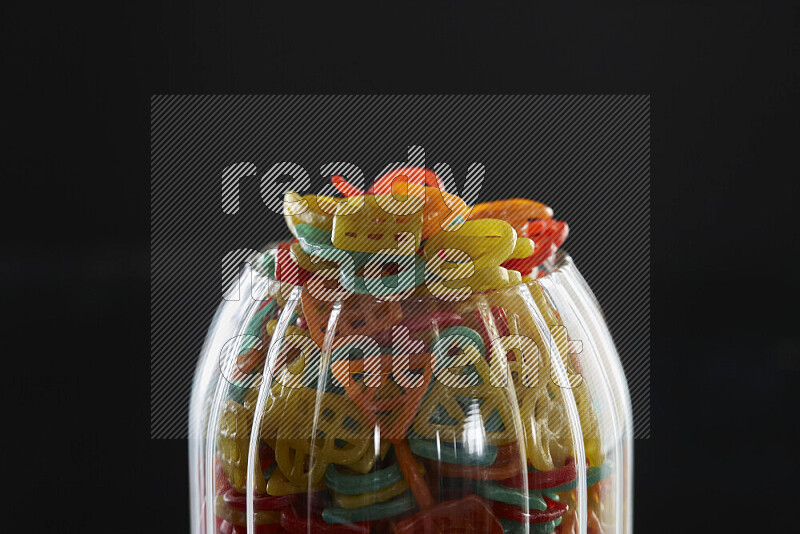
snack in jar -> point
(407, 363)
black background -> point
(724, 84)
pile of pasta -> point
(405, 372)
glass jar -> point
(503, 411)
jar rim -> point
(555, 264)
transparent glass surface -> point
(317, 411)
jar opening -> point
(384, 280)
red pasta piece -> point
(554, 510)
(470, 515)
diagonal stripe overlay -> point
(587, 156)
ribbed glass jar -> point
(505, 411)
